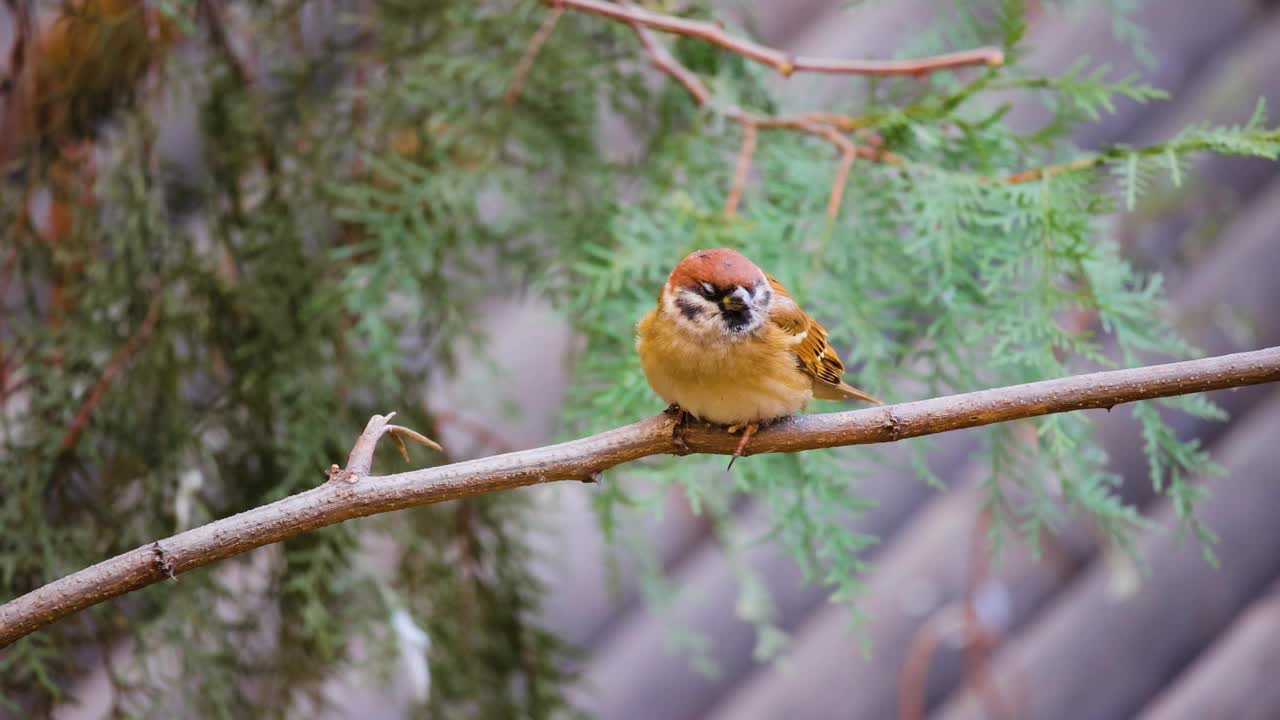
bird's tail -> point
(843, 391)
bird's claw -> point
(678, 428)
(747, 431)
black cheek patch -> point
(689, 308)
(736, 320)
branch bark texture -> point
(353, 493)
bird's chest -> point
(725, 382)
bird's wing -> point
(814, 355)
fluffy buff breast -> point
(729, 381)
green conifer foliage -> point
(363, 191)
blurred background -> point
(1077, 633)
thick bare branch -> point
(584, 459)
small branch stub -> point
(163, 561)
(360, 461)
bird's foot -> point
(747, 431)
(678, 428)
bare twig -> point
(1049, 170)
(521, 73)
(334, 502)
(360, 461)
(777, 59)
(980, 637)
(824, 125)
(666, 63)
(915, 670)
(842, 178)
(830, 126)
(113, 369)
(741, 169)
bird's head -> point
(717, 292)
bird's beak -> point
(736, 300)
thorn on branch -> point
(360, 461)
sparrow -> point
(728, 344)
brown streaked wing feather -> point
(814, 354)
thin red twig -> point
(666, 63)
(829, 126)
(521, 73)
(980, 639)
(915, 670)
(741, 169)
(777, 59)
(113, 369)
(837, 185)
(823, 125)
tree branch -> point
(823, 125)
(777, 59)
(828, 126)
(521, 74)
(114, 367)
(583, 460)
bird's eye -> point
(708, 291)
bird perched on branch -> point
(729, 345)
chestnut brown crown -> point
(722, 268)
(718, 292)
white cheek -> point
(705, 324)
(710, 322)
